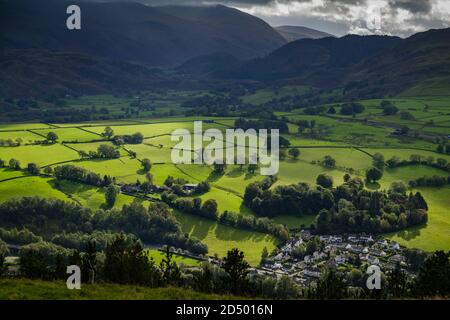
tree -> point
(404, 130)
(219, 168)
(286, 288)
(330, 286)
(2, 163)
(33, 169)
(325, 180)
(171, 274)
(329, 162)
(264, 255)
(252, 167)
(111, 194)
(236, 267)
(294, 153)
(373, 174)
(89, 260)
(331, 110)
(108, 133)
(146, 164)
(52, 137)
(48, 170)
(347, 177)
(3, 252)
(14, 164)
(149, 178)
(396, 280)
(146, 187)
(434, 276)
(378, 161)
(126, 262)
(108, 152)
(209, 208)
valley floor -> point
(349, 141)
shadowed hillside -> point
(155, 36)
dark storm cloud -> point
(413, 6)
(339, 17)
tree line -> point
(346, 208)
(153, 224)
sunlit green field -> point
(158, 256)
(25, 136)
(220, 238)
(29, 187)
(40, 154)
(350, 143)
(70, 134)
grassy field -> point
(157, 256)
(436, 234)
(91, 197)
(349, 141)
(26, 136)
(28, 187)
(42, 155)
(6, 173)
(220, 238)
(70, 134)
(19, 289)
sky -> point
(339, 17)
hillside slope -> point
(321, 62)
(155, 36)
(417, 65)
(26, 73)
(293, 33)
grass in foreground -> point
(24, 289)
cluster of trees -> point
(351, 108)
(433, 280)
(155, 224)
(3, 252)
(104, 151)
(434, 181)
(10, 142)
(249, 222)
(13, 164)
(328, 162)
(304, 125)
(443, 148)
(52, 137)
(415, 159)
(77, 174)
(194, 206)
(209, 209)
(135, 138)
(346, 208)
(261, 124)
(19, 236)
(388, 107)
(123, 260)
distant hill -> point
(133, 32)
(208, 64)
(32, 72)
(320, 62)
(418, 65)
(293, 33)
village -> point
(305, 257)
